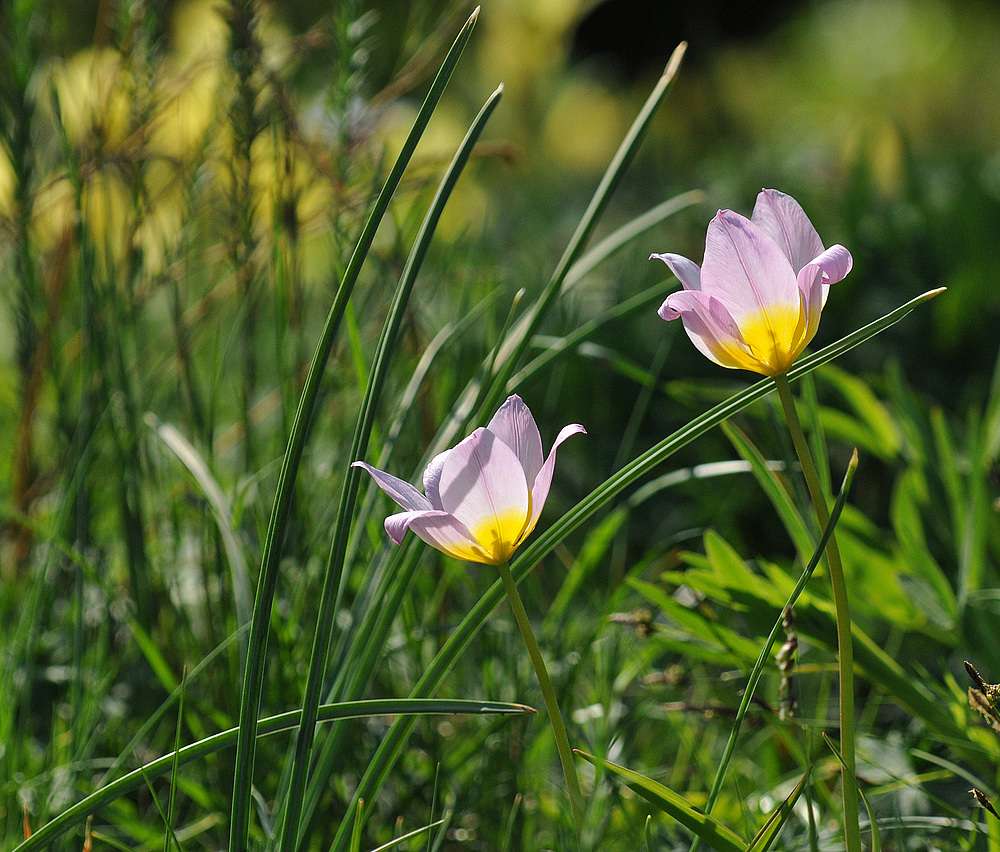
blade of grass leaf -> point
(629, 231)
(553, 349)
(333, 583)
(374, 616)
(758, 669)
(356, 833)
(777, 818)
(267, 581)
(518, 342)
(702, 825)
(876, 839)
(173, 769)
(773, 487)
(408, 836)
(392, 744)
(43, 836)
(482, 395)
(222, 511)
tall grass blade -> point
(222, 511)
(776, 819)
(45, 835)
(408, 836)
(706, 827)
(758, 669)
(484, 395)
(876, 838)
(267, 581)
(518, 341)
(333, 583)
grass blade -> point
(333, 584)
(267, 581)
(777, 818)
(758, 669)
(876, 839)
(44, 836)
(520, 338)
(188, 456)
(702, 825)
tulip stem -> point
(845, 648)
(548, 694)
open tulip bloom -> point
(484, 496)
(755, 302)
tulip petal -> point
(402, 492)
(514, 425)
(540, 490)
(440, 530)
(482, 484)
(782, 218)
(835, 262)
(746, 270)
(687, 271)
(813, 287)
(432, 479)
(711, 329)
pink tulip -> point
(485, 495)
(755, 302)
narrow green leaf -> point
(266, 727)
(777, 818)
(408, 836)
(253, 676)
(518, 342)
(222, 511)
(334, 575)
(774, 489)
(356, 833)
(876, 839)
(709, 829)
(758, 669)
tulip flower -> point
(485, 495)
(755, 302)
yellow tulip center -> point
(499, 535)
(775, 338)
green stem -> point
(548, 694)
(845, 648)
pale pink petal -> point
(686, 271)
(440, 530)
(540, 491)
(482, 484)
(402, 492)
(514, 425)
(835, 262)
(813, 288)
(782, 218)
(744, 268)
(711, 329)
(432, 478)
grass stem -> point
(845, 647)
(549, 696)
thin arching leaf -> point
(708, 828)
